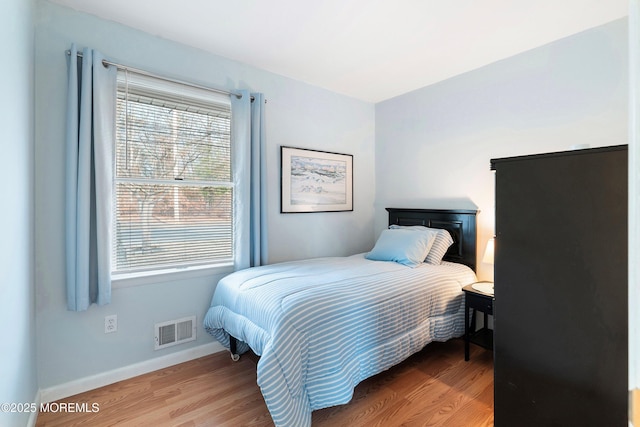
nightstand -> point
(478, 297)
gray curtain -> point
(249, 165)
(90, 140)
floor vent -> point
(175, 332)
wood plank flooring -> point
(434, 387)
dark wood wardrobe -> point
(560, 313)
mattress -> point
(322, 326)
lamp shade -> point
(488, 252)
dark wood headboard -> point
(460, 223)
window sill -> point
(150, 277)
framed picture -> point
(315, 181)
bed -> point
(321, 326)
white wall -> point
(434, 145)
(72, 345)
(18, 380)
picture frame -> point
(315, 181)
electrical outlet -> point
(111, 324)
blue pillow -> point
(405, 247)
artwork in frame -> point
(315, 181)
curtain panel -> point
(249, 166)
(91, 106)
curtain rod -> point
(148, 74)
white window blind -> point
(173, 188)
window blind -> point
(173, 186)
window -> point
(173, 189)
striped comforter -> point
(323, 325)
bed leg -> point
(233, 348)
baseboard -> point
(33, 417)
(102, 379)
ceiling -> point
(368, 49)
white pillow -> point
(440, 246)
(406, 247)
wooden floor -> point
(435, 387)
